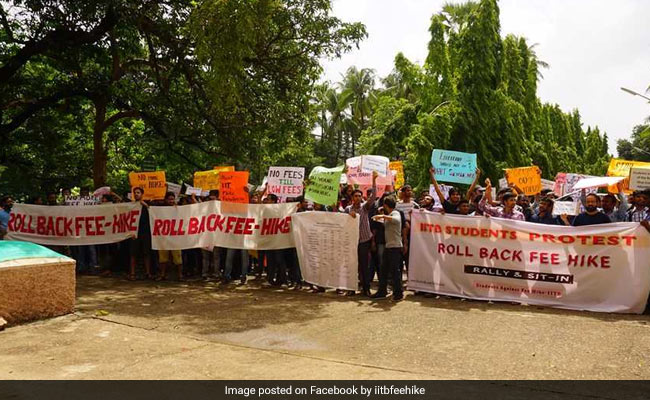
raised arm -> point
(441, 196)
(373, 196)
(468, 195)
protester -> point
(6, 203)
(393, 254)
(450, 205)
(165, 256)
(464, 208)
(210, 256)
(140, 247)
(591, 216)
(544, 214)
(365, 234)
(427, 202)
(507, 211)
(524, 206)
(640, 212)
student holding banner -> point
(140, 247)
(450, 204)
(365, 234)
(165, 256)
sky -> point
(594, 47)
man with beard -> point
(591, 216)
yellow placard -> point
(398, 167)
(528, 179)
(620, 167)
(207, 180)
(153, 184)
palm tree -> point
(359, 85)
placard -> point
(323, 185)
(285, 182)
(153, 184)
(234, 187)
(528, 179)
(454, 166)
(207, 180)
(639, 178)
(370, 163)
(397, 167)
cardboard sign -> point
(527, 179)
(547, 184)
(596, 182)
(639, 178)
(324, 185)
(445, 191)
(82, 200)
(370, 163)
(560, 180)
(234, 187)
(397, 167)
(285, 182)
(191, 190)
(454, 166)
(619, 167)
(573, 179)
(207, 180)
(153, 183)
(566, 207)
(225, 168)
(174, 188)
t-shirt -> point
(586, 219)
(406, 208)
(393, 230)
(547, 219)
(4, 220)
(449, 207)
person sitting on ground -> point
(591, 216)
(507, 211)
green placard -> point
(323, 185)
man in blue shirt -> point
(544, 214)
(6, 203)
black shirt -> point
(586, 219)
(547, 219)
(449, 207)
(143, 227)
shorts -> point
(163, 256)
(140, 247)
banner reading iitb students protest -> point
(106, 223)
(215, 223)
(327, 248)
(596, 268)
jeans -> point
(86, 256)
(392, 263)
(230, 259)
(376, 259)
(211, 258)
(277, 267)
(363, 255)
(291, 256)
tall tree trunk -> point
(99, 153)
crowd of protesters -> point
(384, 231)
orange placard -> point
(234, 186)
(153, 183)
(528, 179)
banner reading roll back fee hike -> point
(597, 268)
(215, 223)
(61, 225)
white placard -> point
(445, 191)
(639, 178)
(371, 163)
(174, 188)
(327, 248)
(82, 201)
(285, 182)
(566, 207)
(598, 181)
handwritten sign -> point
(566, 207)
(207, 180)
(174, 188)
(82, 200)
(397, 167)
(454, 166)
(639, 178)
(445, 192)
(234, 186)
(527, 179)
(224, 168)
(572, 179)
(355, 176)
(153, 183)
(619, 167)
(324, 185)
(371, 163)
(285, 182)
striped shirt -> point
(362, 211)
(499, 212)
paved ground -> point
(196, 330)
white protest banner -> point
(285, 181)
(82, 200)
(596, 182)
(229, 225)
(370, 163)
(639, 178)
(174, 188)
(597, 268)
(327, 248)
(566, 207)
(106, 223)
(445, 191)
